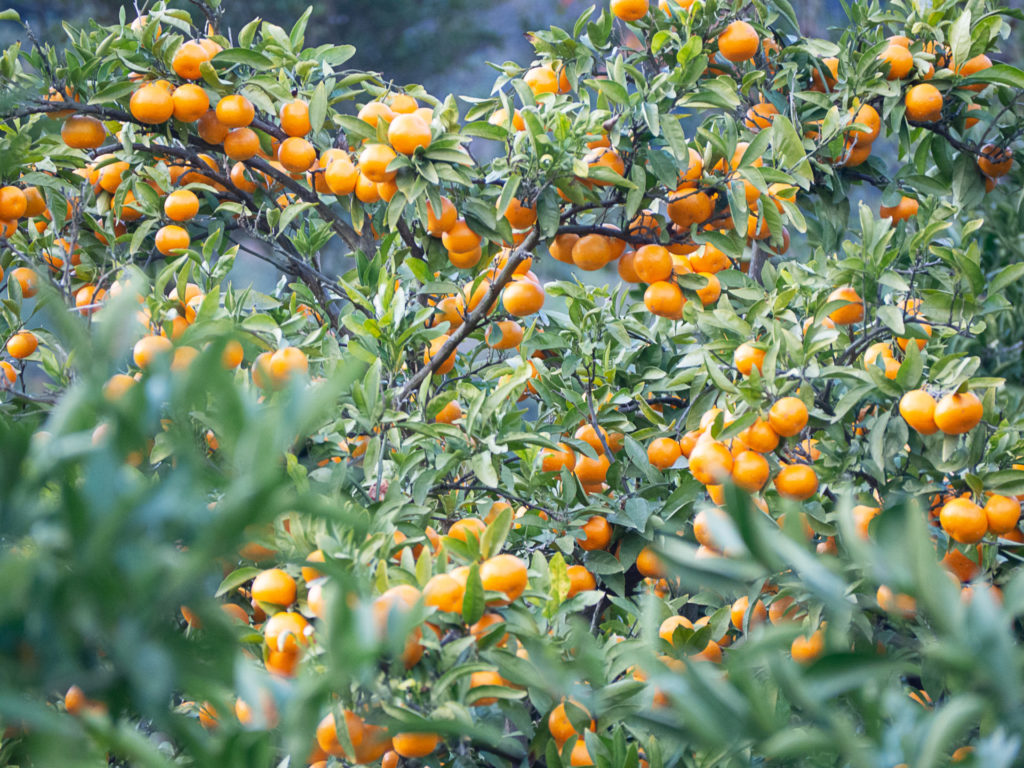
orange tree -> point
(746, 498)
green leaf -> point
(245, 56)
(790, 147)
(473, 600)
(237, 578)
(318, 108)
(615, 93)
(494, 536)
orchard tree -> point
(745, 496)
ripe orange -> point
(504, 573)
(13, 203)
(831, 75)
(1002, 513)
(760, 437)
(521, 216)
(580, 580)
(149, 348)
(917, 407)
(274, 586)
(788, 416)
(903, 210)
(806, 649)
(923, 103)
(374, 111)
(738, 42)
(747, 357)
(604, 157)
(438, 225)
(629, 10)
(708, 259)
(88, 297)
(867, 116)
(750, 471)
(739, 611)
(511, 335)
(22, 344)
(522, 297)
(445, 593)
(591, 252)
(151, 104)
(415, 744)
(796, 481)
(83, 132)
(653, 263)
(711, 652)
(210, 129)
(710, 462)
(560, 725)
(956, 414)
(760, 116)
(663, 452)
(898, 60)
(286, 631)
(170, 239)
(553, 461)
(973, 66)
(235, 111)
(541, 80)
(294, 117)
(341, 175)
(994, 161)
(649, 564)
(664, 299)
(849, 313)
(964, 521)
(181, 205)
(187, 59)
(409, 132)
(241, 144)
(296, 154)
(592, 471)
(287, 363)
(190, 102)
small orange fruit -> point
(964, 521)
(738, 42)
(956, 414)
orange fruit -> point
(444, 592)
(181, 205)
(971, 67)
(553, 461)
(187, 60)
(849, 313)
(709, 259)
(750, 471)
(663, 452)
(993, 161)
(438, 225)
(710, 462)
(831, 75)
(415, 744)
(711, 652)
(506, 574)
(522, 297)
(806, 649)
(486, 678)
(341, 175)
(917, 408)
(591, 252)
(541, 80)
(592, 471)
(235, 111)
(923, 103)
(649, 564)
(460, 238)
(13, 203)
(796, 481)
(560, 725)
(788, 416)
(664, 299)
(760, 437)
(1002, 513)
(963, 520)
(433, 348)
(956, 414)
(296, 154)
(274, 586)
(747, 357)
(468, 526)
(286, 631)
(898, 60)
(867, 116)
(409, 132)
(22, 344)
(760, 116)
(294, 116)
(210, 129)
(653, 263)
(739, 611)
(580, 580)
(738, 42)
(629, 10)
(521, 216)
(604, 157)
(151, 104)
(171, 239)
(903, 210)
(286, 363)
(83, 132)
